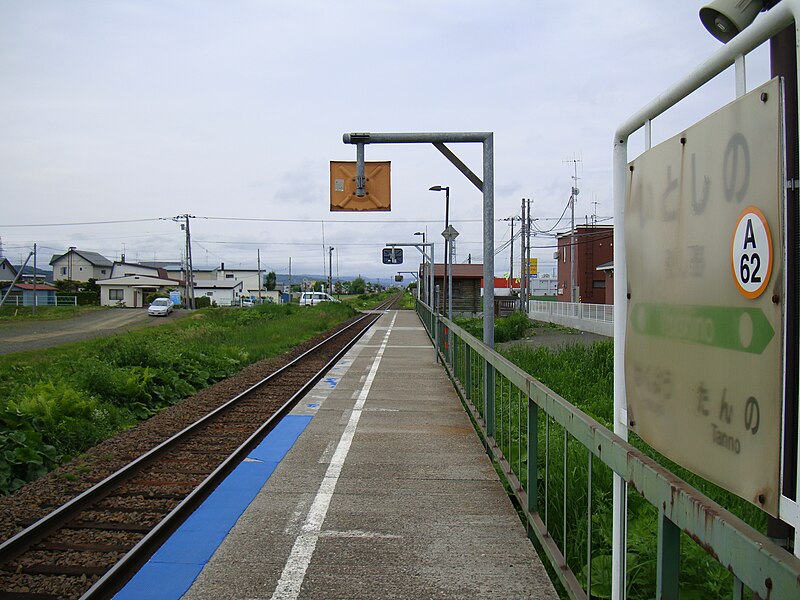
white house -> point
(250, 279)
(132, 290)
(80, 265)
(222, 292)
(125, 269)
(7, 270)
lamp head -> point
(724, 19)
(436, 188)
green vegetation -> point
(512, 327)
(11, 314)
(58, 403)
(367, 301)
(583, 375)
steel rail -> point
(20, 542)
(116, 577)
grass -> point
(55, 404)
(14, 314)
(583, 375)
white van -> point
(312, 298)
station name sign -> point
(704, 249)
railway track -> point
(91, 545)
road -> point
(22, 337)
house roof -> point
(138, 281)
(45, 287)
(96, 259)
(223, 284)
(587, 230)
(9, 265)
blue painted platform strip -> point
(172, 569)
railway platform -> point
(376, 486)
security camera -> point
(724, 19)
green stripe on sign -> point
(728, 327)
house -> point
(222, 292)
(80, 265)
(467, 287)
(132, 290)
(591, 246)
(607, 269)
(23, 294)
(7, 271)
(252, 279)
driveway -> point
(22, 337)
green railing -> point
(534, 435)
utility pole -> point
(33, 312)
(69, 275)
(330, 269)
(511, 260)
(572, 239)
(526, 259)
(260, 279)
(189, 271)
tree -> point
(358, 286)
(272, 280)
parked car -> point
(312, 298)
(248, 302)
(160, 307)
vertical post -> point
(436, 323)
(468, 370)
(533, 455)
(448, 259)
(330, 269)
(669, 558)
(34, 281)
(488, 398)
(488, 242)
(360, 177)
(260, 279)
(189, 270)
(783, 62)
(620, 490)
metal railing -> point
(578, 310)
(535, 435)
(52, 301)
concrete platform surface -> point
(387, 493)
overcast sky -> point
(140, 110)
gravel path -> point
(37, 335)
(554, 337)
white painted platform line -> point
(294, 572)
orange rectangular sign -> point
(377, 186)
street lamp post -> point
(447, 258)
(427, 272)
(424, 280)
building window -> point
(116, 294)
(598, 283)
(63, 270)
(209, 293)
(228, 275)
(102, 271)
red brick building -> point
(593, 246)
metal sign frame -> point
(486, 186)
